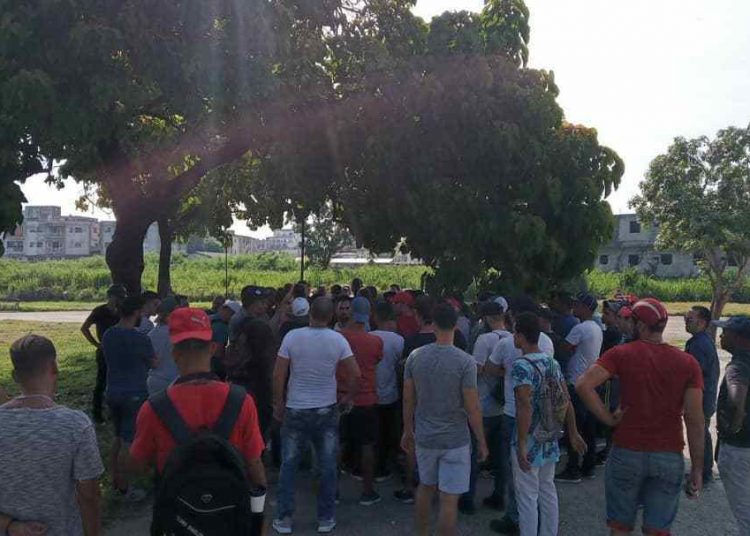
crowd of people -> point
(393, 385)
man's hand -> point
(407, 442)
(27, 528)
(523, 459)
(615, 418)
(694, 485)
(482, 452)
(278, 413)
(578, 444)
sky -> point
(641, 72)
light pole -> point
(302, 258)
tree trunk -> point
(164, 285)
(125, 254)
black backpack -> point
(203, 490)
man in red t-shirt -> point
(199, 397)
(659, 386)
(360, 426)
(406, 321)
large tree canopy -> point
(698, 194)
(433, 133)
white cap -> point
(300, 307)
(235, 306)
(502, 302)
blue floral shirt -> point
(524, 373)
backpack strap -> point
(170, 417)
(231, 412)
(533, 365)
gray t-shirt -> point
(43, 453)
(314, 354)
(440, 373)
(165, 372)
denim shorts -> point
(653, 479)
(449, 469)
(124, 410)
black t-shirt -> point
(612, 337)
(103, 318)
(737, 373)
(294, 323)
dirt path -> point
(48, 316)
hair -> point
(545, 313)
(703, 313)
(249, 295)
(130, 305)
(336, 289)
(299, 291)
(656, 328)
(192, 346)
(527, 324)
(30, 355)
(384, 312)
(445, 317)
(148, 295)
(425, 307)
(342, 297)
(321, 309)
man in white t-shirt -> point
(389, 408)
(501, 363)
(491, 398)
(307, 408)
(585, 343)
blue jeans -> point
(321, 427)
(509, 428)
(493, 430)
(652, 478)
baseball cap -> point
(740, 324)
(453, 302)
(502, 302)
(235, 306)
(650, 311)
(188, 323)
(491, 308)
(167, 305)
(300, 307)
(252, 293)
(586, 299)
(404, 297)
(117, 291)
(361, 310)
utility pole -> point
(226, 264)
(302, 257)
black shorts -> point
(124, 410)
(359, 427)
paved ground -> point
(57, 316)
(581, 507)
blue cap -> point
(739, 324)
(361, 310)
(588, 300)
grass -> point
(680, 308)
(42, 306)
(77, 375)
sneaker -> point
(368, 499)
(283, 526)
(467, 508)
(504, 525)
(404, 495)
(601, 458)
(569, 476)
(589, 474)
(132, 494)
(495, 502)
(356, 476)
(326, 526)
(383, 478)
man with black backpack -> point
(204, 439)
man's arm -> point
(353, 375)
(409, 399)
(586, 389)
(14, 527)
(86, 330)
(280, 373)
(474, 411)
(494, 364)
(256, 473)
(88, 496)
(695, 423)
(523, 423)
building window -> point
(39, 244)
(666, 259)
(634, 260)
(604, 260)
(55, 245)
(77, 245)
(635, 227)
(78, 230)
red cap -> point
(405, 298)
(186, 323)
(650, 311)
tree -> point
(697, 193)
(324, 237)
(143, 99)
